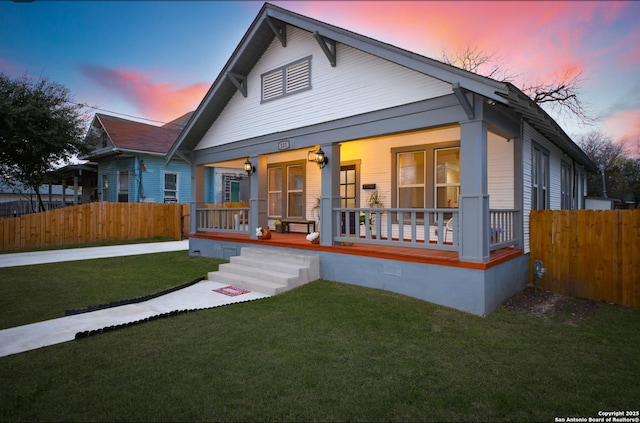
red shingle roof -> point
(131, 135)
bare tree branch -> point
(563, 96)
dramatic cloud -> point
(158, 101)
(624, 125)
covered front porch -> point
(433, 275)
(446, 225)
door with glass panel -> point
(348, 197)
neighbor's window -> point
(539, 178)
(288, 79)
(123, 186)
(170, 187)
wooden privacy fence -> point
(94, 222)
(591, 254)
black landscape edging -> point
(87, 333)
(132, 300)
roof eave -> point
(196, 127)
(537, 117)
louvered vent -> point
(272, 85)
(298, 76)
(288, 79)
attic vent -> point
(272, 85)
(286, 80)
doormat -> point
(231, 291)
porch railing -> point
(505, 228)
(228, 217)
(408, 227)
(436, 228)
(423, 228)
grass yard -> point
(322, 352)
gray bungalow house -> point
(418, 176)
(131, 166)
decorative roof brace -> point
(240, 81)
(328, 46)
(464, 101)
(279, 28)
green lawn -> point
(322, 352)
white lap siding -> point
(360, 83)
(531, 137)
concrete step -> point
(261, 273)
(270, 271)
(276, 255)
(275, 266)
(248, 282)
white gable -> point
(360, 83)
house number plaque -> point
(283, 145)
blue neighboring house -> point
(131, 165)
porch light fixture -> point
(105, 185)
(321, 159)
(249, 167)
(143, 166)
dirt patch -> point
(547, 305)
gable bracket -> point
(464, 101)
(184, 157)
(279, 28)
(240, 81)
(328, 46)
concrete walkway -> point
(201, 295)
(73, 254)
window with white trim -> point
(292, 78)
(123, 186)
(170, 187)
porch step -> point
(267, 270)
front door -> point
(348, 196)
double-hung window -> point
(123, 186)
(447, 178)
(411, 180)
(170, 187)
(565, 186)
(426, 176)
(539, 178)
(286, 193)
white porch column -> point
(329, 193)
(258, 195)
(474, 198)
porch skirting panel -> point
(473, 290)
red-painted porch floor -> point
(410, 254)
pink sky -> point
(155, 67)
(535, 41)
